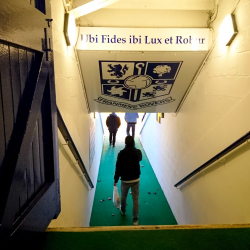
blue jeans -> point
(135, 195)
(131, 125)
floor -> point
(154, 208)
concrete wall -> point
(76, 198)
(214, 115)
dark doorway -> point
(29, 176)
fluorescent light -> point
(228, 30)
(90, 7)
(70, 29)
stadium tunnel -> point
(175, 65)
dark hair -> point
(129, 141)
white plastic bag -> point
(116, 197)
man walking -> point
(131, 119)
(128, 168)
(113, 122)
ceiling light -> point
(90, 7)
(228, 30)
(70, 29)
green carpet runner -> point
(154, 208)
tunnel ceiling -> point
(129, 75)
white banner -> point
(149, 82)
(144, 39)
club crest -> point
(137, 80)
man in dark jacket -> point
(113, 122)
(128, 168)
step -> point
(152, 227)
(183, 237)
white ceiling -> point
(149, 14)
(145, 18)
(144, 14)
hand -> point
(114, 184)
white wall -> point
(214, 115)
(76, 198)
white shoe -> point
(136, 223)
(121, 211)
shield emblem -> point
(138, 80)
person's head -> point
(129, 141)
(113, 113)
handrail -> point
(143, 117)
(145, 121)
(215, 158)
(66, 135)
(100, 116)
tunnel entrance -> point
(153, 205)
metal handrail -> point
(145, 121)
(66, 135)
(100, 116)
(215, 158)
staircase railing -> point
(100, 116)
(215, 158)
(147, 116)
(66, 135)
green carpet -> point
(203, 239)
(154, 208)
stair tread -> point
(151, 227)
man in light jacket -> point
(131, 119)
(113, 122)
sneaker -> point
(113, 145)
(136, 223)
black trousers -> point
(112, 135)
